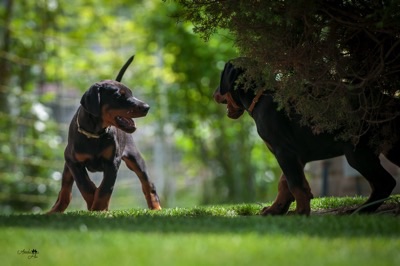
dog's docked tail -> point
(123, 69)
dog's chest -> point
(96, 163)
(94, 154)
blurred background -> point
(51, 51)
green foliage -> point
(334, 62)
(30, 150)
(29, 141)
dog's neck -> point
(96, 132)
(254, 102)
(250, 102)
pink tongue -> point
(126, 122)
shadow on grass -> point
(322, 226)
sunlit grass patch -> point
(336, 202)
(203, 235)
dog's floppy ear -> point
(228, 77)
(91, 100)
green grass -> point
(212, 235)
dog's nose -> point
(218, 97)
(139, 105)
(145, 107)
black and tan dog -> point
(294, 145)
(99, 138)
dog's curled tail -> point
(123, 69)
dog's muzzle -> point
(234, 111)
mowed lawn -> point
(213, 235)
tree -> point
(337, 63)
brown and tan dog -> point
(99, 138)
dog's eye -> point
(120, 94)
(117, 95)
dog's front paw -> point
(272, 210)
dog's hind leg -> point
(134, 161)
(381, 182)
(65, 194)
(283, 200)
